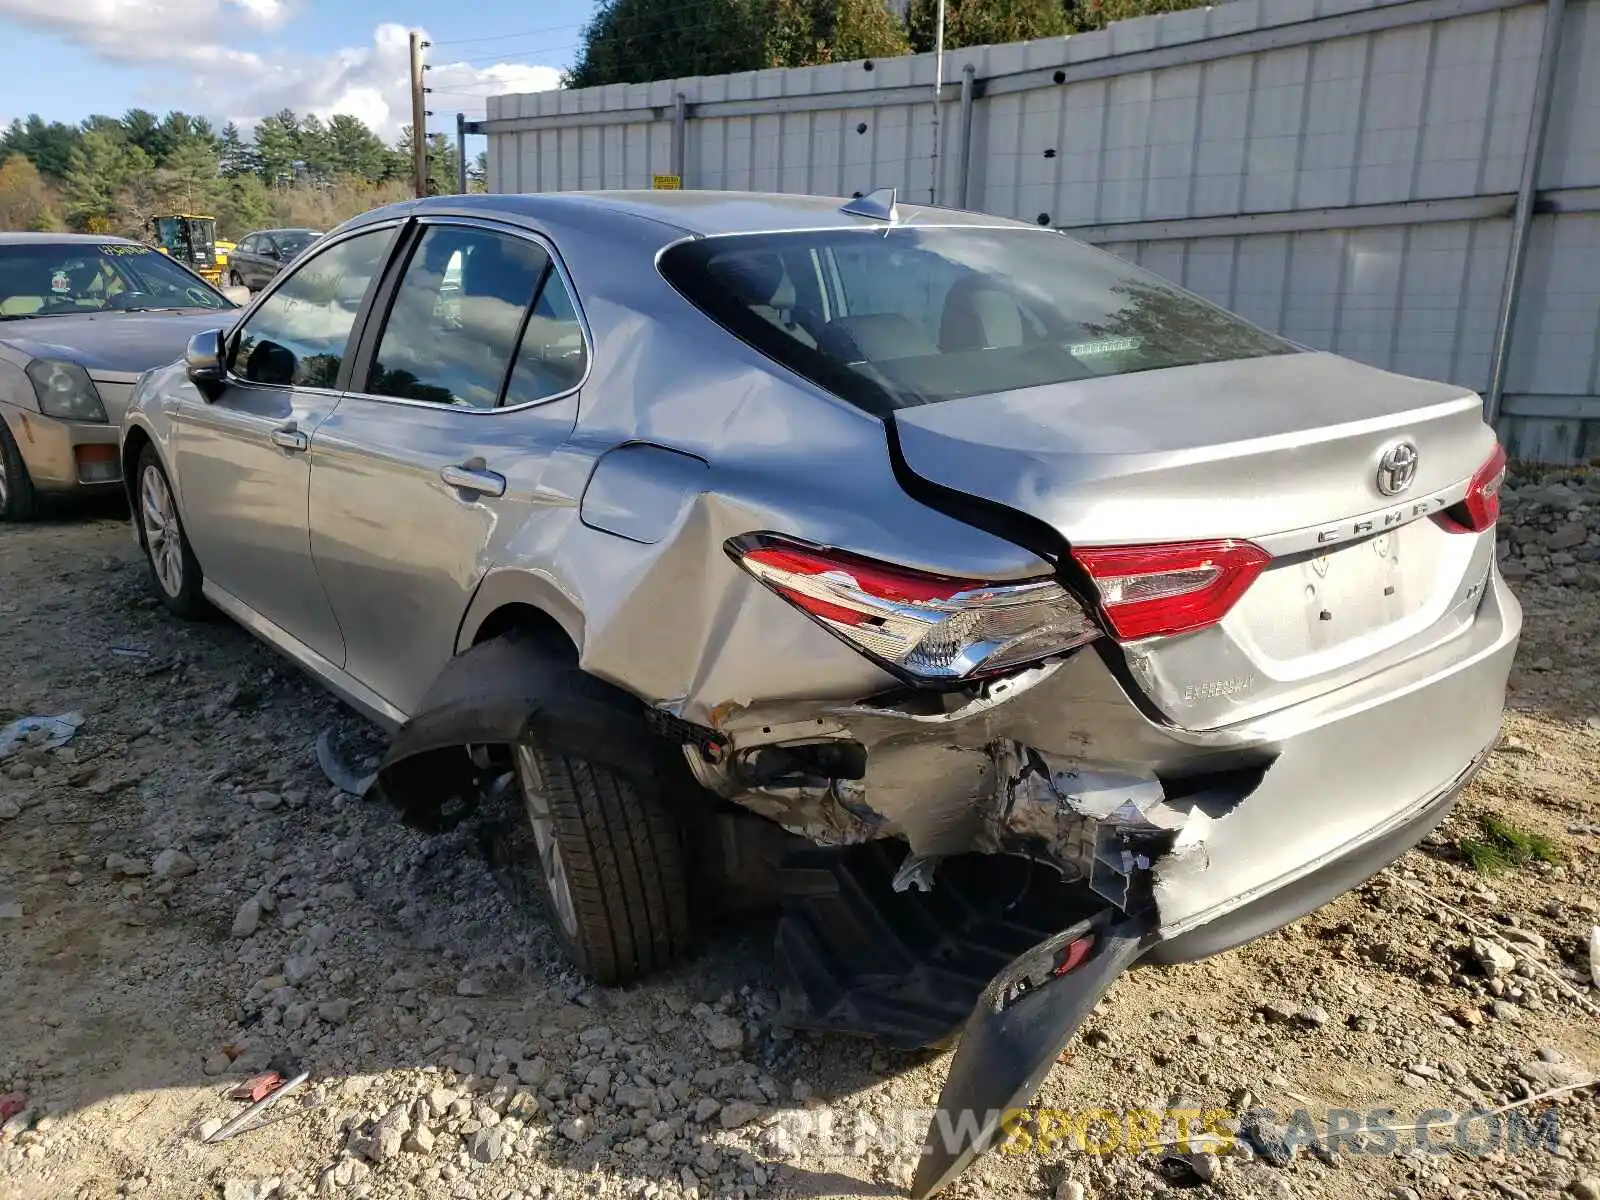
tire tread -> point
(625, 865)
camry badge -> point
(1397, 468)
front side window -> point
(894, 317)
(458, 316)
(44, 280)
(298, 336)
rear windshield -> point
(296, 240)
(895, 317)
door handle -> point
(474, 479)
(290, 438)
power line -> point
(506, 37)
(527, 53)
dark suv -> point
(261, 255)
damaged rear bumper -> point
(1371, 766)
(1349, 869)
(1058, 765)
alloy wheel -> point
(5, 482)
(162, 534)
(551, 864)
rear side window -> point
(553, 355)
(457, 317)
(890, 318)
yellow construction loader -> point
(192, 240)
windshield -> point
(893, 317)
(46, 280)
(173, 234)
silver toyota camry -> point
(1004, 614)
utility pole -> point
(938, 97)
(419, 118)
(461, 153)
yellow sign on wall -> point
(667, 183)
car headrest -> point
(491, 271)
(979, 313)
(753, 278)
(874, 337)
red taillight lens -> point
(1480, 508)
(1148, 591)
(933, 627)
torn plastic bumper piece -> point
(1022, 1022)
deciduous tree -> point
(985, 22)
(26, 201)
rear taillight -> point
(1479, 509)
(1148, 591)
(932, 627)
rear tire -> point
(174, 570)
(18, 500)
(234, 280)
(607, 860)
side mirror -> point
(239, 295)
(204, 361)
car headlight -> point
(65, 390)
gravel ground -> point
(184, 901)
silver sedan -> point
(81, 318)
(1048, 618)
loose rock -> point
(247, 919)
(738, 1113)
(173, 864)
(1492, 959)
(724, 1033)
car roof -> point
(64, 239)
(706, 213)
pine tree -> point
(278, 146)
(192, 178)
(102, 169)
(355, 149)
(236, 156)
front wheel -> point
(18, 500)
(234, 280)
(173, 566)
(607, 859)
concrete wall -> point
(1342, 171)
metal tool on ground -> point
(244, 1120)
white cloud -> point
(133, 31)
(206, 74)
(371, 82)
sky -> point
(238, 60)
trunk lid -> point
(1282, 451)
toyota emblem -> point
(1397, 469)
